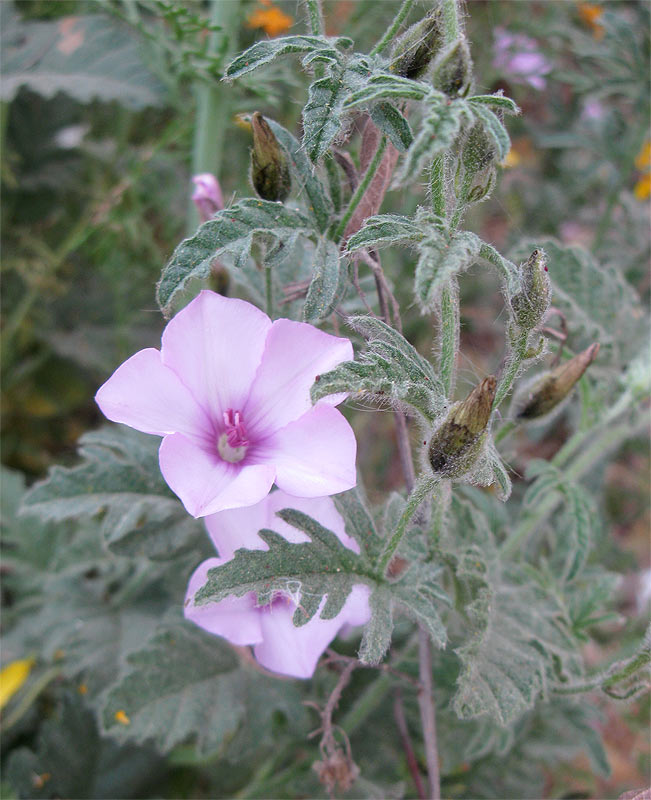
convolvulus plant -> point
(475, 601)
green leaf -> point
(325, 286)
(119, 479)
(186, 685)
(389, 87)
(599, 304)
(497, 101)
(440, 259)
(578, 528)
(390, 370)
(377, 631)
(506, 268)
(306, 571)
(265, 51)
(230, 232)
(418, 592)
(359, 523)
(391, 122)
(302, 170)
(386, 229)
(324, 113)
(441, 124)
(494, 129)
(88, 57)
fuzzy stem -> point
(361, 189)
(437, 186)
(405, 8)
(427, 716)
(449, 338)
(517, 356)
(450, 19)
(316, 17)
(617, 673)
(213, 100)
(424, 486)
(269, 292)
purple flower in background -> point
(519, 58)
(277, 644)
(230, 393)
(207, 195)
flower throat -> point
(233, 442)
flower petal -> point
(146, 395)
(215, 345)
(314, 456)
(296, 651)
(235, 618)
(239, 527)
(295, 353)
(205, 483)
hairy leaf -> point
(377, 632)
(391, 122)
(325, 286)
(441, 123)
(497, 101)
(267, 50)
(89, 57)
(307, 571)
(441, 258)
(119, 479)
(389, 370)
(230, 232)
(323, 115)
(418, 593)
(359, 522)
(494, 128)
(389, 87)
(184, 684)
(384, 230)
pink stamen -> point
(235, 430)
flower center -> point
(233, 443)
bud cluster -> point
(457, 443)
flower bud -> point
(478, 151)
(457, 442)
(207, 195)
(453, 70)
(414, 50)
(531, 304)
(549, 389)
(269, 165)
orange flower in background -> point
(591, 14)
(642, 189)
(270, 18)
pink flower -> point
(230, 393)
(277, 644)
(207, 196)
(518, 57)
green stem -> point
(269, 291)
(462, 200)
(504, 431)
(517, 356)
(213, 99)
(424, 486)
(438, 516)
(449, 338)
(437, 186)
(405, 8)
(451, 20)
(316, 17)
(604, 681)
(361, 189)
(609, 438)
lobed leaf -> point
(377, 632)
(307, 571)
(325, 287)
(268, 50)
(359, 522)
(230, 232)
(390, 369)
(442, 257)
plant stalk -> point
(386, 40)
(360, 191)
(315, 14)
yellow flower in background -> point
(591, 14)
(643, 158)
(642, 189)
(12, 677)
(270, 18)
(512, 159)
